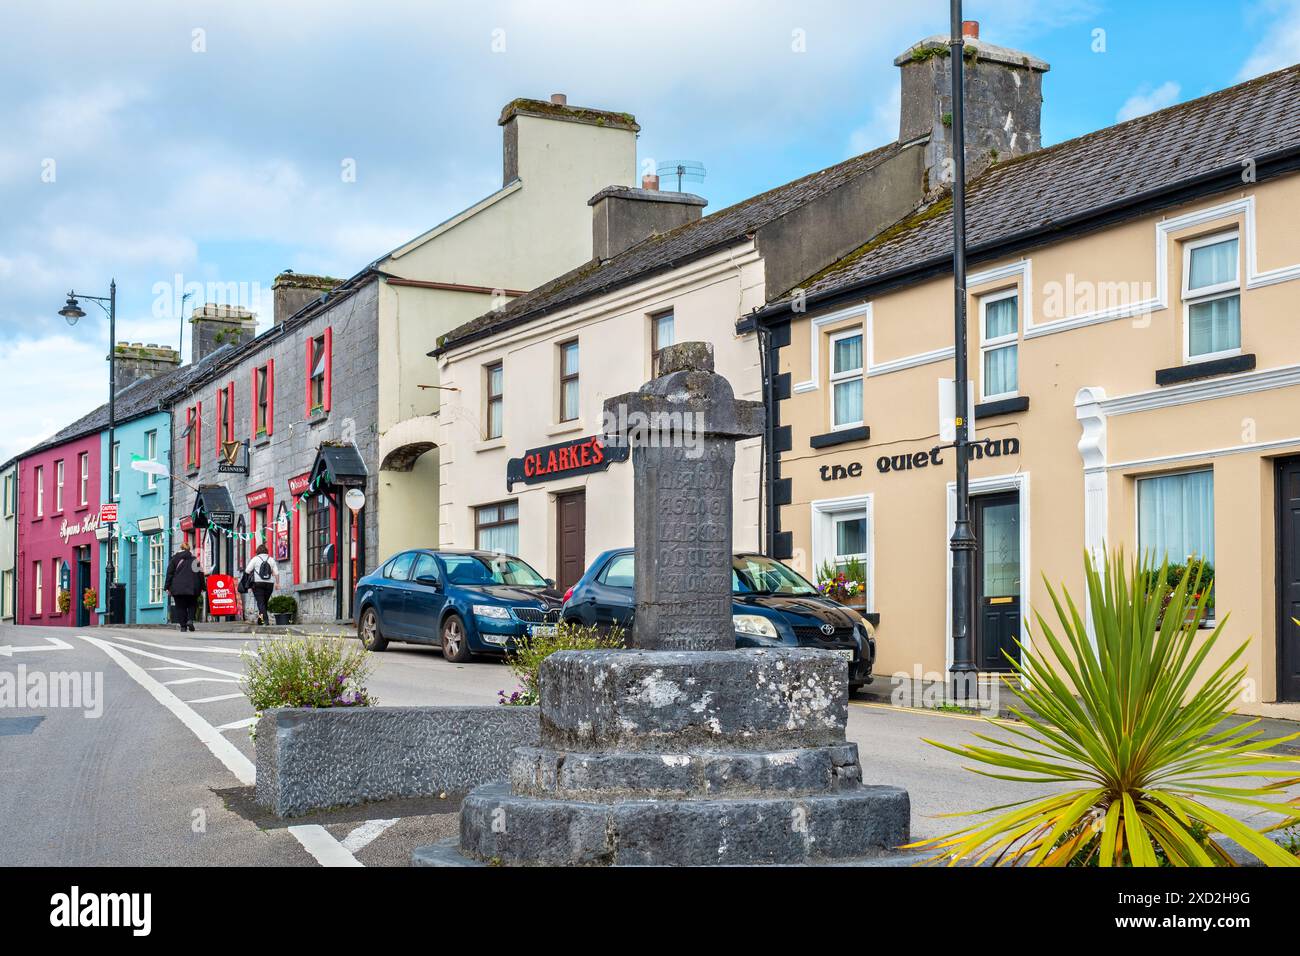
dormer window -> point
(1211, 298)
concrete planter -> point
(309, 759)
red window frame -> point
(225, 415)
(266, 427)
(194, 440)
(328, 346)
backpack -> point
(264, 570)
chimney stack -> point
(650, 182)
(622, 216)
(213, 326)
(1003, 103)
(537, 134)
(134, 361)
(290, 292)
(559, 99)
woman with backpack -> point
(260, 573)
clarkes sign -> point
(911, 461)
(579, 456)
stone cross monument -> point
(683, 750)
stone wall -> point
(313, 759)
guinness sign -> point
(234, 458)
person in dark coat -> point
(184, 582)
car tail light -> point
(568, 594)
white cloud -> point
(1282, 46)
(1147, 100)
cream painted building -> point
(555, 157)
(1135, 349)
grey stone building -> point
(270, 431)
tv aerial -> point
(686, 170)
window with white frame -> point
(9, 494)
(38, 587)
(58, 486)
(663, 333)
(569, 381)
(83, 468)
(157, 567)
(115, 472)
(1211, 297)
(846, 378)
(151, 453)
(1176, 516)
(843, 532)
(496, 399)
(38, 476)
(999, 344)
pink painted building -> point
(58, 514)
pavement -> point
(149, 761)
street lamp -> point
(962, 544)
(73, 312)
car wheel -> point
(368, 631)
(455, 645)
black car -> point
(772, 606)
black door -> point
(996, 519)
(83, 582)
(1288, 579)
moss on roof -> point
(576, 114)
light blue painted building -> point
(143, 535)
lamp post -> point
(962, 543)
(73, 312)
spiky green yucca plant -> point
(1143, 748)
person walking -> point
(184, 582)
(261, 571)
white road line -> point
(169, 668)
(316, 840)
(170, 660)
(365, 834)
(196, 680)
(237, 724)
(213, 700)
(173, 647)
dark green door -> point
(997, 579)
(1288, 579)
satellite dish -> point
(686, 170)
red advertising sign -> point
(108, 512)
(223, 599)
(260, 499)
(299, 484)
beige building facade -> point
(1137, 387)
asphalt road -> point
(157, 768)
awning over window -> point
(341, 465)
(213, 506)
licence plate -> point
(846, 653)
(542, 630)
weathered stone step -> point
(747, 699)
(624, 775)
(499, 826)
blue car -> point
(467, 602)
(771, 606)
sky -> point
(213, 144)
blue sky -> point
(203, 142)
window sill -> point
(317, 415)
(840, 437)
(490, 444)
(261, 441)
(564, 428)
(1210, 369)
(148, 492)
(312, 586)
(1002, 406)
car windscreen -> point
(472, 570)
(753, 574)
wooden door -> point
(570, 539)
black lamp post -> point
(73, 312)
(962, 543)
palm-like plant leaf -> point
(1131, 716)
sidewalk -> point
(246, 627)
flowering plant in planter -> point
(64, 601)
(306, 672)
(89, 599)
(526, 661)
(846, 584)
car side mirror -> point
(428, 580)
(550, 582)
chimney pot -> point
(650, 181)
(970, 28)
(559, 99)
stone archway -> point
(403, 444)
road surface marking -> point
(173, 647)
(932, 712)
(53, 644)
(316, 840)
(213, 700)
(196, 680)
(169, 668)
(363, 835)
(171, 660)
(237, 724)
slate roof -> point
(1082, 177)
(668, 250)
